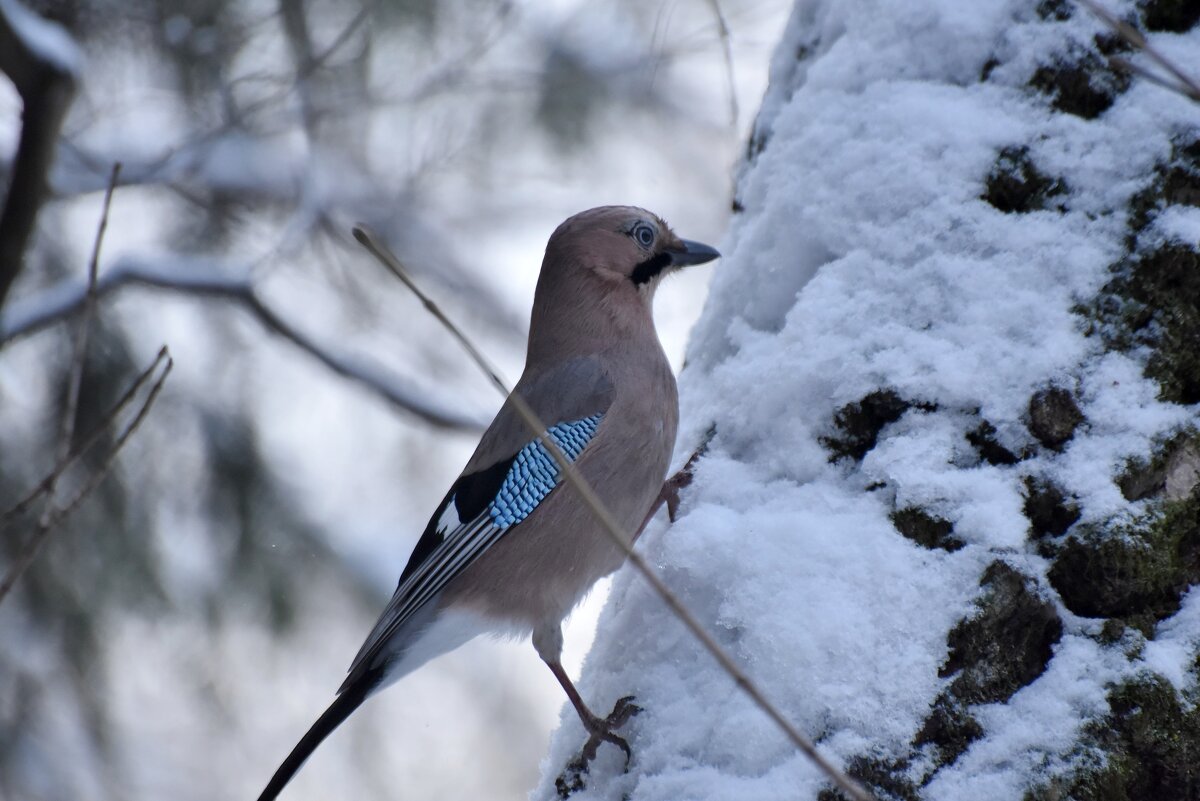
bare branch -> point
(355, 23)
(203, 278)
(52, 514)
(83, 446)
(295, 27)
(727, 53)
(105, 468)
(45, 525)
(40, 59)
(620, 538)
(1184, 84)
(67, 428)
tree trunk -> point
(950, 517)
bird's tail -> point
(348, 701)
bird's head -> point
(628, 248)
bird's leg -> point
(600, 730)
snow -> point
(1179, 223)
(46, 39)
(1175, 643)
(866, 259)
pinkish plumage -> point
(593, 354)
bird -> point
(512, 548)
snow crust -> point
(865, 258)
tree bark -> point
(45, 81)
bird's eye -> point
(644, 234)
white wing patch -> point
(449, 519)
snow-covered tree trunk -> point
(950, 517)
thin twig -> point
(355, 23)
(368, 240)
(727, 52)
(53, 514)
(83, 446)
(99, 474)
(67, 428)
(613, 529)
(1187, 85)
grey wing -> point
(509, 475)
(457, 548)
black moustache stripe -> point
(649, 268)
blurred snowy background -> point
(189, 622)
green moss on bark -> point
(1051, 513)
(1053, 417)
(950, 728)
(1058, 10)
(1137, 569)
(1080, 83)
(1168, 286)
(886, 779)
(1150, 741)
(1153, 300)
(858, 424)
(1004, 646)
(983, 439)
(1016, 186)
(1007, 644)
(925, 529)
(1164, 473)
(1174, 16)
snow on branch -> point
(42, 62)
(203, 278)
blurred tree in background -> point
(314, 413)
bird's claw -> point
(601, 730)
(623, 710)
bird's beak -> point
(690, 252)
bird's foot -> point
(600, 730)
(669, 493)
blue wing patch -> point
(534, 472)
(467, 523)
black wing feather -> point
(330, 719)
(470, 494)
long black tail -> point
(350, 700)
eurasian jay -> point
(511, 548)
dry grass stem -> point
(1183, 84)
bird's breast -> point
(552, 558)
